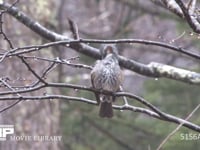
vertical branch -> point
(74, 29)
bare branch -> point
(10, 106)
(1, 24)
(184, 11)
(191, 7)
(10, 87)
(173, 6)
(175, 73)
(48, 69)
(148, 70)
(84, 48)
(15, 92)
(155, 113)
(32, 48)
(189, 14)
(124, 97)
(32, 71)
(167, 117)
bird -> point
(106, 75)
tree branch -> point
(168, 117)
(93, 52)
(189, 14)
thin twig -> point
(10, 106)
(48, 69)
(28, 49)
(13, 104)
(62, 61)
(32, 71)
(124, 97)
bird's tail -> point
(106, 107)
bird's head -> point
(108, 49)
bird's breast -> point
(109, 79)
